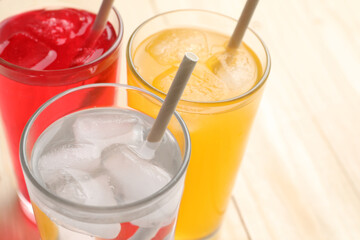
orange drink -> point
(218, 104)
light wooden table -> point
(300, 178)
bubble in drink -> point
(169, 46)
(93, 162)
(37, 57)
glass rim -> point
(117, 42)
(103, 209)
(256, 87)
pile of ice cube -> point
(219, 75)
(99, 169)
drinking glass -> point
(23, 90)
(152, 217)
(219, 129)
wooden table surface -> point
(300, 178)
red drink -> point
(42, 54)
(51, 39)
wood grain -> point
(300, 178)
(13, 223)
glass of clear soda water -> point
(80, 156)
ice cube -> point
(107, 129)
(144, 233)
(57, 27)
(237, 68)
(165, 214)
(203, 85)
(134, 178)
(81, 186)
(87, 55)
(166, 232)
(95, 190)
(79, 156)
(169, 46)
(88, 188)
(65, 185)
(27, 51)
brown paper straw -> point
(242, 24)
(172, 98)
(100, 21)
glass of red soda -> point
(43, 51)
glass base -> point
(26, 207)
(212, 236)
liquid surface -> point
(220, 73)
(90, 157)
(52, 39)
